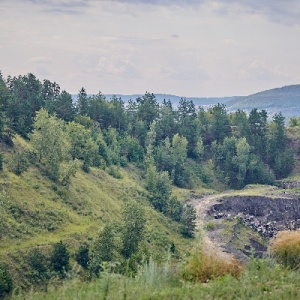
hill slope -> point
(285, 99)
(36, 212)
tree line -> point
(183, 146)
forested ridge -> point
(188, 143)
(284, 100)
(185, 147)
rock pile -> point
(263, 214)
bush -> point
(6, 283)
(188, 221)
(211, 226)
(82, 256)
(286, 248)
(60, 258)
(18, 162)
(204, 266)
(115, 172)
(39, 265)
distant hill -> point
(198, 101)
(285, 99)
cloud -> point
(40, 59)
(287, 11)
(69, 7)
(163, 2)
(260, 70)
(41, 65)
(116, 65)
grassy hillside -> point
(36, 212)
(285, 99)
(262, 279)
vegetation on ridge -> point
(92, 183)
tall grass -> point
(286, 248)
(261, 279)
(204, 266)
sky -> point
(192, 48)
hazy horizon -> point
(193, 48)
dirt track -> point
(212, 241)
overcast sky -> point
(186, 48)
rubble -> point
(264, 215)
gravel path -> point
(212, 240)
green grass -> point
(36, 212)
(262, 279)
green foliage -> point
(82, 102)
(260, 279)
(174, 209)
(188, 147)
(147, 108)
(238, 165)
(114, 172)
(64, 107)
(280, 159)
(1, 162)
(219, 123)
(131, 149)
(82, 255)
(158, 184)
(24, 100)
(240, 124)
(133, 228)
(67, 171)
(59, 259)
(113, 149)
(241, 161)
(258, 172)
(172, 158)
(294, 121)
(82, 146)
(6, 283)
(258, 132)
(50, 92)
(102, 249)
(189, 126)
(188, 220)
(18, 162)
(210, 226)
(49, 142)
(166, 126)
(39, 265)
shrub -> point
(60, 258)
(115, 172)
(82, 256)
(211, 226)
(6, 283)
(188, 221)
(203, 266)
(286, 248)
(18, 162)
(38, 262)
